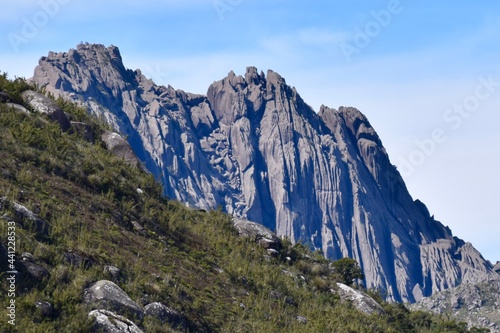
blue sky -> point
(424, 72)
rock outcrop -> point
(41, 103)
(252, 146)
(110, 322)
(105, 295)
(496, 268)
(477, 304)
(165, 315)
(46, 309)
(25, 217)
(115, 143)
(258, 233)
(361, 301)
(17, 107)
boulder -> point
(32, 273)
(165, 315)
(276, 295)
(43, 104)
(17, 107)
(119, 146)
(361, 301)
(105, 295)
(77, 260)
(46, 309)
(26, 256)
(6, 174)
(258, 233)
(113, 271)
(40, 226)
(110, 322)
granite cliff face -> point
(254, 147)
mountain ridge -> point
(254, 147)
(101, 250)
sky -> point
(425, 73)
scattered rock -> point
(26, 256)
(273, 253)
(40, 226)
(46, 309)
(360, 300)
(113, 271)
(32, 274)
(257, 232)
(280, 296)
(84, 130)
(43, 104)
(77, 260)
(3, 202)
(6, 174)
(301, 319)
(137, 227)
(110, 322)
(165, 315)
(119, 146)
(105, 295)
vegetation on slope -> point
(192, 261)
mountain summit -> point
(252, 146)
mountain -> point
(252, 146)
(91, 245)
(478, 304)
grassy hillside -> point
(192, 261)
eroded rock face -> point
(254, 147)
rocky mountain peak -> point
(253, 77)
(253, 147)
